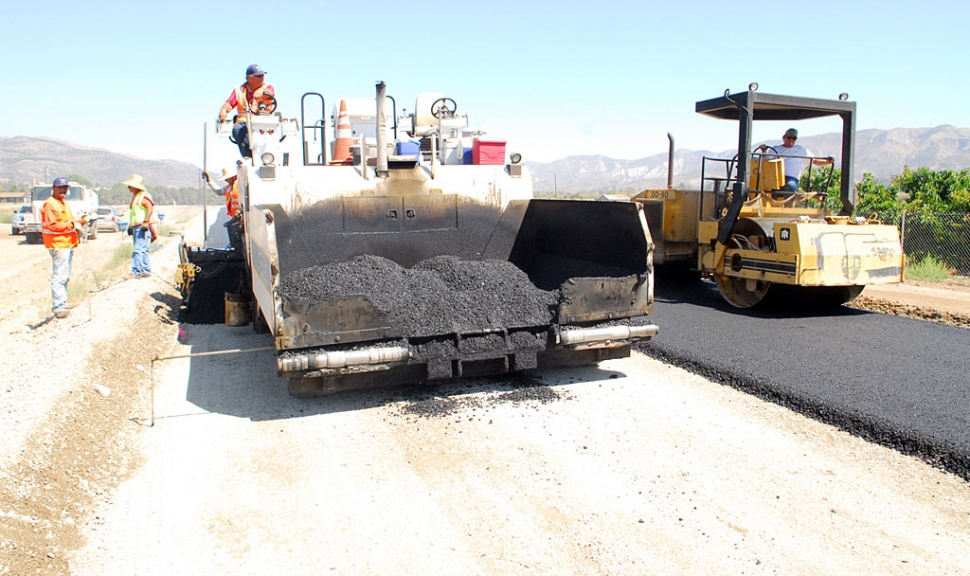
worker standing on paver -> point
(229, 191)
(140, 226)
(60, 231)
(247, 98)
(234, 227)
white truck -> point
(82, 200)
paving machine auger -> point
(754, 237)
(405, 249)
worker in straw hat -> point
(141, 227)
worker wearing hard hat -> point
(794, 156)
(234, 227)
(230, 191)
(60, 231)
(254, 95)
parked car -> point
(17, 222)
(111, 220)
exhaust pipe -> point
(670, 162)
(381, 131)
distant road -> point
(900, 382)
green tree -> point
(874, 198)
(80, 180)
(927, 190)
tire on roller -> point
(744, 292)
(741, 292)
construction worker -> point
(141, 227)
(229, 191)
(60, 231)
(794, 156)
(234, 227)
(252, 96)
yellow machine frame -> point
(768, 236)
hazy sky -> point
(554, 79)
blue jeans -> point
(60, 274)
(139, 253)
(791, 183)
(240, 133)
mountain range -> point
(883, 153)
(24, 159)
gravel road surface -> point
(635, 467)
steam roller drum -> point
(744, 292)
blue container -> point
(408, 148)
(467, 157)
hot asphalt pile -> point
(440, 295)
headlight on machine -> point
(268, 158)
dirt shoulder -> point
(943, 302)
(75, 394)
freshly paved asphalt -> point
(899, 382)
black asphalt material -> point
(441, 295)
(900, 382)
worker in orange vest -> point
(234, 227)
(60, 232)
(253, 96)
(230, 191)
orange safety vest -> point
(55, 214)
(232, 199)
(243, 104)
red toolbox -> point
(488, 151)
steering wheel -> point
(265, 104)
(440, 108)
(773, 149)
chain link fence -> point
(943, 235)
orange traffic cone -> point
(341, 145)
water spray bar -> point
(586, 335)
(341, 359)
